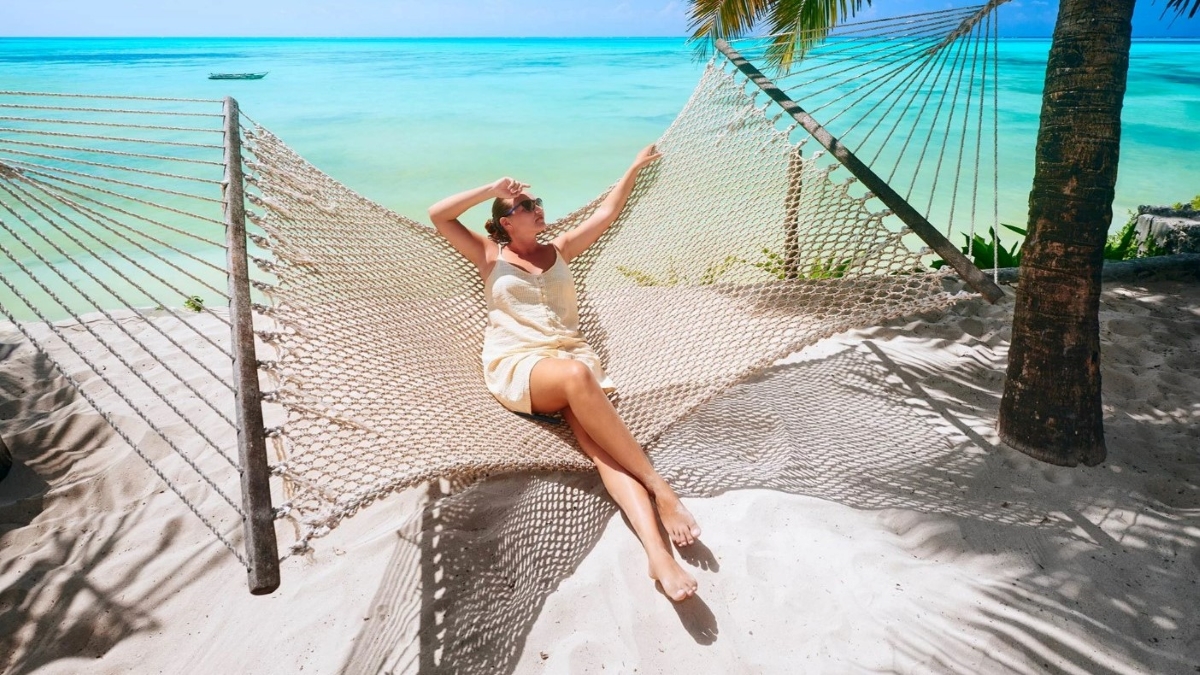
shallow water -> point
(407, 121)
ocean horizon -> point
(407, 121)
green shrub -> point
(194, 303)
(987, 255)
(674, 277)
(1194, 204)
(775, 264)
(1122, 244)
(717, 270)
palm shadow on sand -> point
(855, 427)
(50, 607)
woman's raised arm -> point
(571, 244)
(445, 213)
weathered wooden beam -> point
(916, 222)
(262, 550)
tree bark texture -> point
(1051, 407)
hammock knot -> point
(300, 547)
(272, 205)
(265, 265)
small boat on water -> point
(236, 76)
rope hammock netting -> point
(746, 242)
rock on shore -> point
(1174, 230)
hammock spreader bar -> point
(262, 550)
(971, 274)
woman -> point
(536, 360)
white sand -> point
(894, 536)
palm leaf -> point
(725, 19)
(799, 25)
(1181, 7)
(794, 26)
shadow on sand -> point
(857, 428)
(50, 609)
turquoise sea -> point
(408, 121)
(405, 121)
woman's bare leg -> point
(555, 384)
(631, 496)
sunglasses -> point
(527, 204)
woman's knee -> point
(554, 382)
(577, 377)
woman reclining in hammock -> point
(536, 361)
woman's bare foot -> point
(677, 520)
(676, 583)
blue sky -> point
(458, 18)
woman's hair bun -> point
(494, 229)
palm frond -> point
(725, 19)
(793, 26)
(799, 25)
(1181, 7)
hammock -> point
(743, 244)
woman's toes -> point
(678, 521)
(683, 537)
(674, 581)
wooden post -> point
(262, 551)
(971, 274)
(791, 216)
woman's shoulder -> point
(558, 252)
(491, 253)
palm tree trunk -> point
(1051, 407)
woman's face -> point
(526, 214)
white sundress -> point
(531, 317)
